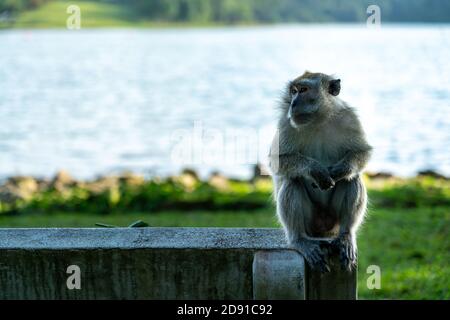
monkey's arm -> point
(288, 161)
(356, 152)
(351, 164)
(294, 165)
(290, 165)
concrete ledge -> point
(136, 238)
(161, 263)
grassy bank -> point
(406, 231)
(93, 15)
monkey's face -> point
(307, 95)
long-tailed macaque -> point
(316, 161)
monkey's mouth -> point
(302, 118)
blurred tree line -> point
(269, 11)
(19, 5)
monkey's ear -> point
(334, 87)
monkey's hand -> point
(339, 171)
(313, 253)
(321, 177)
(347, 251)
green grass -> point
(93, 14)
(256, 219)
(411, 246)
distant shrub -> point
(152, 195)
(412, 193)
(224, 194)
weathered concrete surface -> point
(339, 284)
(278, 274)
(142, 263)
(127, 274)
(129, 238)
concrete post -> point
(339, 284)
(278, 274)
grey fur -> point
(316, 167)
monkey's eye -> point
(303, 89)
(294, 91)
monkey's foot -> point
(347, 252)
(314, 255)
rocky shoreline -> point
(24, 188)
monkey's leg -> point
(349, 202)
(295, 209)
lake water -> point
(103, 101)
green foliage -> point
(411, 193)
(171, 194)
(20, 5)
(95, 13)
(152, 195)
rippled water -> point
(101, 101)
